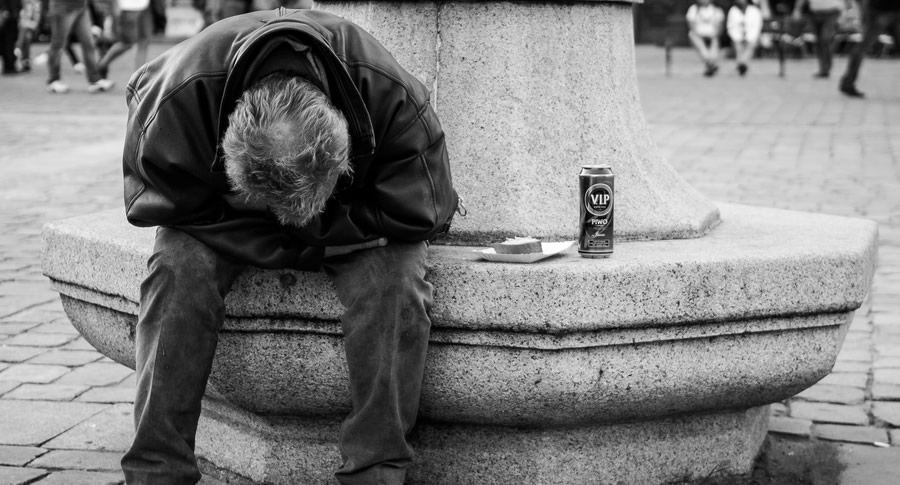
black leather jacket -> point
(178, 112)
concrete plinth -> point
(528, 92)
(663, 336)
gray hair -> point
(286, 146)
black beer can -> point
(597, 191)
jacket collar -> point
(345, 95)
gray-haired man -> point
(283, 139)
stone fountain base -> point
(652, 366)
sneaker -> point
(850, 90)
(742, 69)
(57, 87)
(40, 59)
(101, 86)
(79, 67)
(821, 75)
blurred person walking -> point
(9, 34)
(744, 25)
(29, 20)
(134, 28)
(877, 16)
(705, 22)
(67, 16)
(822, 18)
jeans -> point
(824, 26)
(385, 325)
(60, 26)
(875, 22)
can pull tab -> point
(461, 208)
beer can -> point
(597, 196)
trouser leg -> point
(82, 30)
(182, 309)
(386, 328)
(871, 28)
(60, 25)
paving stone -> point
(34, 339)
(3, 365)
(19, 354)
(887, 350)
(886, 392)
(35, 314)
(19, 455)
(790, 426)
(778, 409)
(10, 307)
(96, 374)
(868, 465)
(829, 413)
(853, 379)
(850, 434)
(111, 430)
(851, 366)
(895, 437)
(10, 328)
(833, 394)
(130, 382)
(70, 477)
(19, 476)
(886, 363)
(78, 344)
(6, 386)
(58, 326)
(69, 358)
(45, 419)
(855, 356)
(886, 376)
(33, 373)
(888, 412)
(80, 460)
(46, 392)
(108, 395)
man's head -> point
(286, 146)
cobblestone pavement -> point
(65, 410)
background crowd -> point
(747, 26)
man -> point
(283, 139)
(823, 19)
(705, 21)
(877, 15)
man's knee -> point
(182, 261)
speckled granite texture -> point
(293, 451)
(528, 92)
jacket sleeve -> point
(168, 182)
(412, 190)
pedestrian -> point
(67, 16)
(9, 34)
(283, 139)
(29, 20)
(822, 18)
(877, 16)
(134, 28)
(705, 22)
(744, 25)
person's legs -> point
(182, 309)
(144, 33)
(699, 44)
(126, 36)
(386, 328)
(825, 27)
(82, 30)
(873, 24)
(9, 34)
(60, 26)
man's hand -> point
(349, 248)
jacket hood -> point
(262, 40)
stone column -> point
(527, 93)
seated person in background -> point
(744, 24)
(705, 21)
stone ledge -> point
(758, 263)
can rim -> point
(599, 165)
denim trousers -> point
(61, 24)
(385, 325)
(824, 26)
(874, 23)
